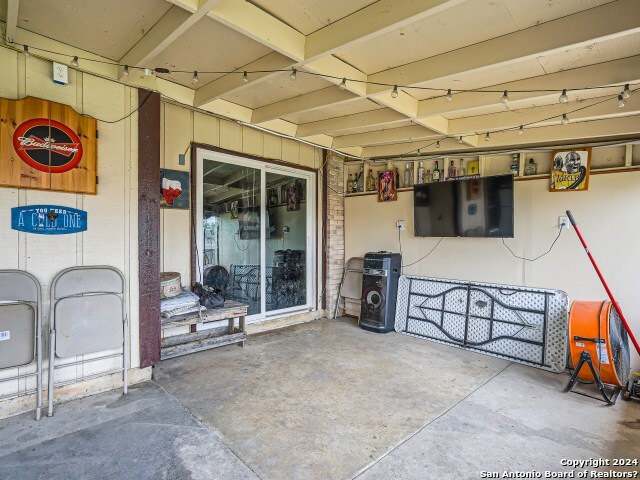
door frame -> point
(198, 152)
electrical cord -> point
(421, 258)
(539, 256)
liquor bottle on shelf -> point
(461, 171)
(531, 168)
(427, 176)
(408, 175)
(398, 179)
(360, 180)
(436, 173)
(371, 181)
(515, 164)
(452, 170)
(420, 172)
(350, 184)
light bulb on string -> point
(565, 119)
(394, 92)
(460, 139)
(505, 98)
(245, 77)
(520, 130)
(343, 84)
(195, 78)
(125, 72)
(25, 50)
(438, 144)
(448, 97)
(293, 74)
(147, 72)
(563, 96)
(487, 137)
(74, 62)
(626, 93)
(621, 101)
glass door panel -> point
(231, 209)
(286, 239)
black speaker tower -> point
(379, 291)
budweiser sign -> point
(47, 145)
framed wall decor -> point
(47, 146)
(570, 170)
(387, 186)
(174, 189)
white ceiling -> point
(366, 40)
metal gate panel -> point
(525, 325)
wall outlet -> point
(400, 224)
(563, 222)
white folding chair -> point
(21, 330)
(351, 284)
(87, 315)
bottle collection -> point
(359, 183)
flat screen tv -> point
(472, 207)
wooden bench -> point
(192, 342)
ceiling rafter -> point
(575, 132)
(168, 29)
(12, 19)
(606, 21)
(615, 72)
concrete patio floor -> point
(323, 400)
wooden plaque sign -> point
(47, 146)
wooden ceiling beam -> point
(375, 117)
(303, 103)
(370, 22)
(390, 135)
(513, 118)
(169, 28)
(604, 22)
(616, 72)
(12, 20)
(574, 132)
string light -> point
(621, 101)
(520, 130)
(394, 92)
(74, 62)
(343, 84)
(565, 119)
(487, 137)
(563, 96)
(438, 144)
(460, 139)
(626, 93)
(147, 72)
(505, 98)
(294, 72)
(448, 97)
(245, 77)
(125, 72)
(25, 50)
(195, 78)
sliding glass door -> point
(256, 224)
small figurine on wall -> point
(387, 186)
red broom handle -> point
(604, 283)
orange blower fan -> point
(598, 339)
(598, 336)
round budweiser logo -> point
(47, 145)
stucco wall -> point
(606, 214)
